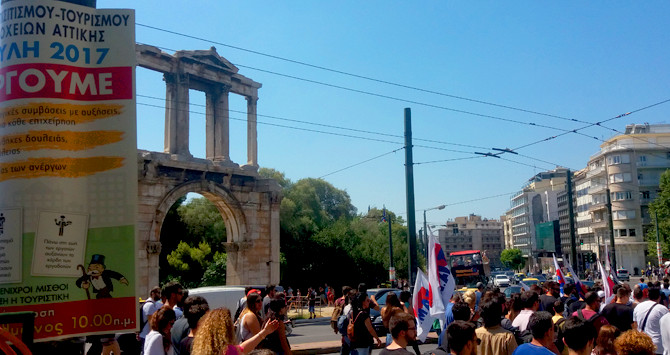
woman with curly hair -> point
(633, 342)
(216, 335)
(159, 340)
(605, 340)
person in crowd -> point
(633, 342)
(461, 312)
(249, 323)
(642, 284)
(277, 341)
(638, 296)
(172, 292)
(578, 336)
(504, 321)
(364, 333)
(531, 304)
(331, 297)
(542, 328)
(149, 307)
(346, 298)
(548, 299)
(392, 307)
(558, 309)
(403, 331)
(664, 324)
(461, 335)
(515, 306)
(311, 302)
(494, 338)
(158, 340)
(605, 340)
(406, 300)
(269, 296)
(619, 313)
(479, 293)
(590, 311)
(181, 329)
(647, 317)
(216, 334)
(470, 297)
(448, 315)
(195, 308)
(574, 303)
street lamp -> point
(425, 227)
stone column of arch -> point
(176, 113)
(218, 124)
(252, 134)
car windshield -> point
(531, 282)
(382, 299)
(501, 276)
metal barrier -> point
(27, 319)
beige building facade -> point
(474, 233)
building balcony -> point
(595, 172)
(648, 182)
(596, 189)
(596, 206)
(652, 164)
(603, 223)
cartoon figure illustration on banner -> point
(98, 277)
(61, 225)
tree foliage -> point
(660, 208)
(512, 259)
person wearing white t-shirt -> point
(665, 333)
(150, 307)
(647, 317)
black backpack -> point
(143, 321)
(558, 334)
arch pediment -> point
(209, 57)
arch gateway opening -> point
(248, 204)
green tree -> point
(512, 259)
(190, 262)
(203, 222)
(278, 176)
(216, 271)
(660, 208)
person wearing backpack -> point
(360, 330)
(647, 317)
(152, 304)
(339, 303)
(590, 311)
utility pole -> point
(609, 213)
(409, 183)
(391, 267)
(659, 253)
(571, 218)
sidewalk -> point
(331, 346)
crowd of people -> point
(174, 323)
(541, 320)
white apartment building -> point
(535, 203)
(629, 166)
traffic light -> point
(581, 242)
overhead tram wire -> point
(360, 163)
(381, 81)
(332, 126)
(398, 99)
(473, 200)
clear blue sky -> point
(589, 61)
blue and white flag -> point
(578, 283)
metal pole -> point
(409, 182)
(391, 268)
(609, 212)
(425, 237)
(571, 215)
(659, 253)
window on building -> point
(645, 194)
(621, 195)
(631, 232)
(642, 158)
(622, 232)
(623, 214)
(618, 159)
(619, 177)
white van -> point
(220, 296)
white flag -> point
(439, 278)
(422, 301)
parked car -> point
(219, 296)
(622, 275)
(501, 280)
(540, 278)
(530, 281)
(512, 290)
(375, 316)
